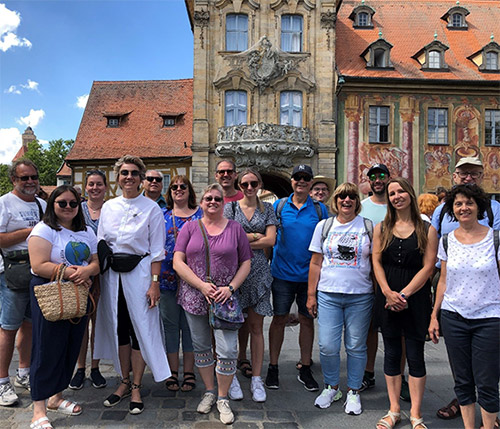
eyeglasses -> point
(182, 186)
(134, 173)
(344, 195)
(376, 176)
(253, 184)
(152, 178)
(304, 177)
(63, 204)
(322, 189)
(210, 198)
(26, 178)
(222, 172)
(464, 174)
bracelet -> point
(155, 278)
(254, 236)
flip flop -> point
(41, 423)
(67, 408)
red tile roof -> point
(409, 25)
(141, 131)
(64, 170)
(20, 153)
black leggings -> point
(125, 328)
(393, 351)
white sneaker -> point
(328, 395)
(8, 394)
(257, 389)
(23, 382)
(206, 403)
(235, 393)
(226, 415)
(352, 403)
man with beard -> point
(153, 185)
(374, 208)
(20, 211)
(226, 175)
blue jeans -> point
(174, 321)
(338, 312)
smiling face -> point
(398, 197)
(24, 184)
(346, 205)
(468, 173)
(378, 181)
(153, 184)
(179, 191)
(212, 203)
(320, 192)
(301, 184)
(95, 188)
(465, 209)
(65, 215)
(250, 185)
(129, 180)
(226, 175)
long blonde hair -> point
(390, 219)
(259, 179)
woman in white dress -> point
(128, 328)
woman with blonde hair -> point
(404, 254)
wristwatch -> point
(155, 278)
(231, 289)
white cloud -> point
(31, 84)
(9, 21)
(11, 142)
(81, 101)
(33, 119)
(12, 90)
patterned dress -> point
(256, 289)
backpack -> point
(329, 222)
(489, 213)
(496, 245)
(282, 202)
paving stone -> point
(284, 425)
(174, 403)
(244, 425)
(114, 415)
(250, 415)
(286, 416)
(193, 416)
(212, 424)
(162, 393)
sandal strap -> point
(189, 375)
(136, 386)
(395, 419)
(417, 421)
(126, 381)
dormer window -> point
(115, 119)
(431, 56)
(113, 122)
(378, 54)
(491, 60)
(487, 59)
(455, 17)
(169, 121)
(362, 16)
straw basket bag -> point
(62, 300)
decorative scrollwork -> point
(328, 19)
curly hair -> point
(470, 191)
(427, 203)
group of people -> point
(157, 266)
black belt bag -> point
(119, 262)
(17, 270)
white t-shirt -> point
(472, 280)
(373, 211)
(68, 247)
(16, 214)
(346, 257)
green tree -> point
(5, 183)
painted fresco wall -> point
(408, 154)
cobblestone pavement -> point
(289, 407)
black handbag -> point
(17, 270)
(119, 262)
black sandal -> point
(188, 383)
(245, 367)
(115, 399)
(136, 407)
(172, 382)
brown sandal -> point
(449, 412)
(496, 425)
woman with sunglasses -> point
(128, 327)
(181, 208)
(228, 255)
(95, 187)
(61, 238)
(404, 254)
(340, 294)
(259, 222)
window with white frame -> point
(492, 127)
(491, 60)
(291, 108)
(363, 19)
(457, 20)
(379, 124)
(235, 108)
(437, 126)
(166, 183)
(236, 32)
(434, 59)
(291, 33)
(113, 122)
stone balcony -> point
(264, 145)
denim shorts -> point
(15, 307)
(285, 292)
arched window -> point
(236, 32)
(291, 108)
(363, 19)
(491, 60)
(457, 20)
(434, 59)
(379, 58)
(235, 108)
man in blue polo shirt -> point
(290, 269)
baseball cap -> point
(381, 167)
(302, 168)
(471, 160)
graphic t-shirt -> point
(68, 247)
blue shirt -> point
(291, 254)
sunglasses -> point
(222, 172)
(210, 198)
(253, 184)
(26, 178)
(374, 177)
(153, 178)
(182, 186)
(344, 195)
(134, 173)
(63, 204)
(304, 177)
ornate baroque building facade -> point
(263, 87)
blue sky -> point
(52, 51)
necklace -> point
(93, 210)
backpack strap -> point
(441, 217)
(445, 243)
(326, 229)
(233, 207)
(489, 212)
(496, 245)
(317, 206)
(368, 228)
